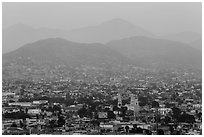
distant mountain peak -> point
(117, 21)
(50, 42)
(116, 28)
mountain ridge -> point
(61, 48)
(150, 50)
(19, 34)
(133, 49)
(184, 37)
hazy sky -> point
(158, 18)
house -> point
(22, 104)
(164, 111)
(34, 111)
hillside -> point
(149, 51)
(57, 56)
(47, 56)
(185, 37)
(197, 44)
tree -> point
(123, 111)
(135, 126)
(56, 108)
(16, 115)
(95, 122)
(191, 119)
(160, 132)
(60, 121)
(21, 124)
(187, 118)
(26, 110)
(176, 113)
(111, 115)
(155, 104)
(142, 100)
(129, 112)
(167, 119)
(81, 112)
(52, 124)
(14, 124)
(69, 100)
(115, 108)
(127, 129)
(37, 116)
(199, 115)
(125, 101)
(89, 113)
(22, 90)
(147, 132)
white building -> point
(134, 104)
(164, 111)
(34, 111)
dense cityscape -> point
(101, 68)
(132, 101)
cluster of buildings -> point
(106, 103)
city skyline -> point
(137, 70)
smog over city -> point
(103, 68)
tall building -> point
(119, 100)
(132, 99)
(134, 103)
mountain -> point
(197, 44)
(56, 57)
(20, 34)
(58, 50)
(111, 30)
(185, 37)
(157, 52)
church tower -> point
(119, 100)
(135, 104)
